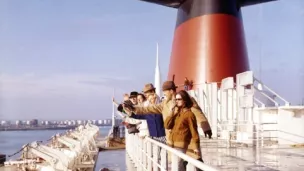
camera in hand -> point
(128, 104)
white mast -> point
(113, 111)
(157, 78)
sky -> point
(64, 59)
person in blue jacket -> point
(155, 121)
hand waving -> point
(172, 106)
(209, 133)
(128, 106)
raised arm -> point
(151, 109)
(202, 121)
(169, 122)
(194, 143)
(195, 104)
(114, 102)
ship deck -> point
(271, 158)
(242, 158)
(239, 157)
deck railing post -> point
(174, 164)
(145, 164)
(227, 98)
(136, 144)
(141, 154)
(214, 108)
(149, 157)
(245, 103)
(190, 167)
(164, 159)
(155, 157)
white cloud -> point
(31, 84)
(56, 96)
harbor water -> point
(12, 141)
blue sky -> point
(61, 59)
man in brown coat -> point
(169, 90)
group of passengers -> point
(173, 120)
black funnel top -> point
(253, 2)
(177, 3)
(168, 3)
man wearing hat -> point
(149, 90)
(169, 90)
(133, 97)
(155, 122)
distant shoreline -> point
(42, 128)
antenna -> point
(157, 63)
(261, 41)
(260, 21)
(113, 110)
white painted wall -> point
(291, 125)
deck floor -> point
(240, 158)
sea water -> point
(12, 141)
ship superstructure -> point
(74, 150)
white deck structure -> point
(74, 150)
(253, 129)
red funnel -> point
(209, 43)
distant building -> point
(34, 122)
(18, 122)
(105, 121)
(79, 122)
(5, 123)
(73, 122)
(46, 122)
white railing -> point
(268, 94)
(148, 154)
(231, 108)
(237, 112)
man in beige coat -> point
(169, 90)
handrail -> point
(261, 103)
(264, 94)
(232, 110)
(142, 153)
(185, 157)
(286, 102)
